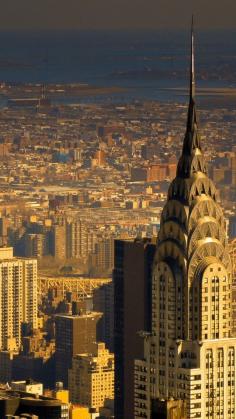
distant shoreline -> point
(204, 91)
(29, 90)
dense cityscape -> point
(117, 256)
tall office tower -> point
(132, 313)
(103, 301)
(75, 334)
(18, 296)
(91, 378)
(192, 354)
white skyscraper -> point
(18, 296)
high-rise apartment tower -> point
(18, 295)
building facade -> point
(75, 334)
(80, 240)
(103, 301)
(18, 294)
(191, 353)
(102, 257)
(132, 313)
(91, 378)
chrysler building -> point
(190, 354)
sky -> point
(116, 14)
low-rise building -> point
(29, 386)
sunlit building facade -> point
(91, 378)
(190, 353)
(18, 296)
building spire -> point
(192, 67)
(192, 159)
(192, 115)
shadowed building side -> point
(132, 313)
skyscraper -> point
(190, 354)
(103, 302)
(75, 334)
(132, 313)
(18, 296)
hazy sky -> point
(99, 14)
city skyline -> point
(117, 288)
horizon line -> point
(117, 29)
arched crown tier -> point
(192, 224)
